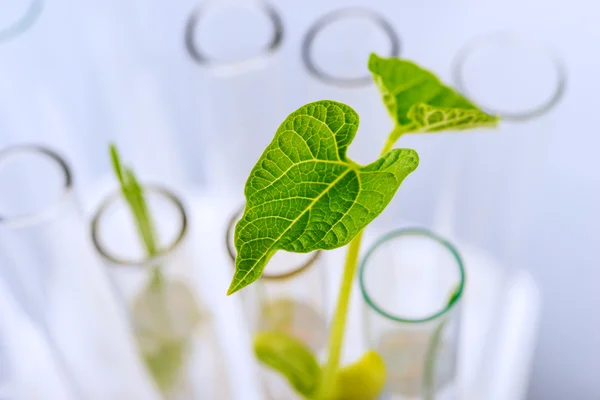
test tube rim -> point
(163, 252)
(479, 41)
(269, 277)
(425, 233)
(332, 17)
(51, 209)
(238, 66)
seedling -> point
(305, 194)
(165, 313)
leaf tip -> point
(233, 287)
(116, 161)
(373, 59)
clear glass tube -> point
(174, 330)
(510, 76)
(235, 43)
(522, 81)
(49, 266)
(290, 297)
(412, 282)
(497, 182)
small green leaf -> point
(137, 203)
(361, 380)
(134, 196)
(304, 194)
(419, 102)
(116, 164)
(292, 358)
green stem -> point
(338, 327)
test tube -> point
(290, 297)
(235, 45)
(522, 81)
(173, 328)
(49, 267)
(491, 200)
(412, 282)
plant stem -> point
(336, 337)
(338, 326)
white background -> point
(93, 71)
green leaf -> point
(304, 194)
(290, 357)
(116, 164)
(134, 196)
(362, 380)
(419, 102)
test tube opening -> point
(510, 76)
(227, 57)
(168, 214)
(353, 71)
(422, 248)
(34, 181)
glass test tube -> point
(173, 329)
(241, 94)
(522, 81)
(49, 266)
(412, 282)
(290, 297)
(335, 52)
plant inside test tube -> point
(305, 194)
(165, 313)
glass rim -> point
(477, 42)
(457, 295)
(49, 209)
(162, 252)
(266, 276)
(24, 22)
(332, 17)
(237, 66)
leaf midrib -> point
(309, 207)
(285, 173)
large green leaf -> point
(419, 102)
(304, 194)
(290, 357)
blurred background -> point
(193, 91)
